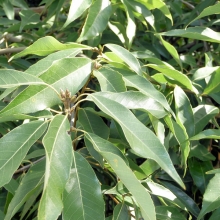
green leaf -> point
(141, 9)
(161, 191)
(29, 184)
(202, 115)
(137, 100)
(144, 86)
(102, 145)
(82, 198)
(68, 73)
(121, 212)
(171, 49)
(47, 45)
(38, 68)
(211, 10)
(97, 20)
(127, 57)
(76, 10)
(127, 177)
(93, 123)
(198, 172)
(211, 198)
(19, 141)
(215, 215)
(28, 17)
(184, 111)
(198, 33)
(183, 197)
(213, 85)
(207, 134)
(169, 213)
(180, 79)
(142, 140)
(159, 4)
(110, 80)
(12, 78)
(203, 72)
(58, 147)
(131, 26)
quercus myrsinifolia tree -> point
(109, 110)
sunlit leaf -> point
(76, 9)
(142, 140)
(110, 80)
(19, 141)
(198, 33)
(58, 147)
(211, 199)
(12, 78)
(97, 20)
(126, 56)
(47, 45)
(206, 134)
(128, 178)
(82, 198)
(68, 73)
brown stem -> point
(11, 50)
(24, 168)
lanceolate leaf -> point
(15, 145)
(137, 100)
(97, 19)
(110, 80)
(211, 199)
(37, 69)
(184, 198)
(180, 78)
(58, 147)
(68, 73)
(121, 212)
(198, 33)
(131, 26)
(141, 139)
(28, 17)
(76, 9)
(171, 49)
(29, 184)
(127, 57)
(206, 134)
(159, 4)
(144, 86)
(127, 177)
(184, 111)
(213, 84)
(12, 78)
(82, 198)
(47, 45)
(214, 9)
(202, 115)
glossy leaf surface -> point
(58, 147)
(140, 138)
(82, 197)
(18, 142)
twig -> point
(113, 198)
(24, 168)
(11, 50)
(188, 4)
(38, 10)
